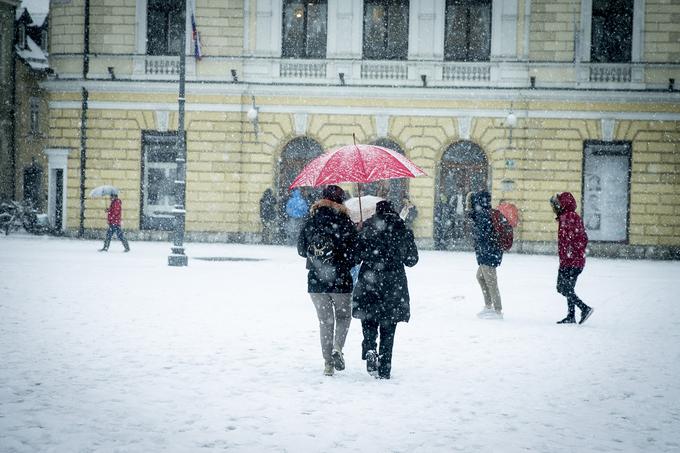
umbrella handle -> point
(361, 214)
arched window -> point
(463, 168)
(295, 155)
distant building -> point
(523, 97)
(31, 107)
(7, 163)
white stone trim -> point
(345, 29)
(464, 126)
(268, 23)
(382, 125)
(607, 126)
(504, 30)
(57, 159)
(162, 120)
(372, 111)
(426, 29)
(301, 123)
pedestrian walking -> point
(296, 211)
(489, 253)
(114, 217)
(572, 240)
(268, 214)
(381, 298)
(328, 241)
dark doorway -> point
(59, 199)
(297, 153)
(463, 169)
(33, 175)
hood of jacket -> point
(325, 203)
(481, 200)
(567, 202)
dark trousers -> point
(566, 282)
(119, 232)
(371, 328)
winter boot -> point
(488, 312)
(328, 369)
(568, 320)
(103, 249)
(585, 314)
(372, 363)
(338, 360)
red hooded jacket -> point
(571, 236)
(115, 212)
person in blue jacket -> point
(296, 212)
(488, 251)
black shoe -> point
(567, 320)
(126, 250)
(338, 360)
(585, 314)
(372, 363)
(103, 250)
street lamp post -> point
(177, 257)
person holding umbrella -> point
(381, 298)
(114, 216)
(328, 242)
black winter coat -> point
(332, 221)
(385, 247)
(488, 252)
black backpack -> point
(321, 247)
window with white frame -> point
(467, 34)
(164, 27)
(386, 29)
(611, 31)
(159, 151)
(34, 115)
(304, 29)
(606, 190)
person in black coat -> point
(488, 251)
(328, 241)
(268, 215)
(381, 297)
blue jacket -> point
(296, 206)
(487, 249)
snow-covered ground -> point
(115, 352)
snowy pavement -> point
(115, 352)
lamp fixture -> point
(341, 75)
(253, 114)
(423, 77)
(511, 121)
(234, 76)
(111, 73)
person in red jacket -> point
(571, 245)
(115, 213)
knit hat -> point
(334, 193)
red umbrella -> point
(356, 163)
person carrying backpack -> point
(488, 251)
(572, 240)
(381, 297)
(328, 241)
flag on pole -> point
(198, 54)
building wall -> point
(30, 146)
(6, 94)
(229, 166)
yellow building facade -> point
(536, 102)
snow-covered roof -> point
(33, 55)
(36, 6)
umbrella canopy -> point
(510, 212)
(103, 191)
(367, 209)
(356, 163)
